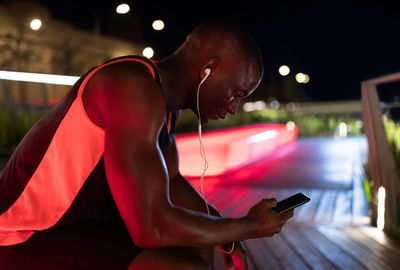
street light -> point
(36, 24)
(123, 8)
(302, 78)
(284, 70)
(158, 25)
(148, 52)
(290, 125)
(307, 79)
(274, 104)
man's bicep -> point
(133, 114)
(133, 163)
(138, 182)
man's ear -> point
(212, 64)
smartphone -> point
(291, 202)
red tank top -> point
(52, 163)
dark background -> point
(338, 44)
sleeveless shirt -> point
(56, 175)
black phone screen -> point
(291, 202)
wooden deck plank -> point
(241, 208)
(391, 256)
(360, 203)
(294, 237)
(329, 250)
(380, 237)
(284, 254)
(336, 205)
(326, 206)
(260, 256)
(228, 199)
(342, 213)
(220, 196)
(361, 253)
(307, 212)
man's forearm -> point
(183, 227)
(186, 198)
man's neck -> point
(174, 83)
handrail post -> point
(381, 160)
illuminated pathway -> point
(330, 232)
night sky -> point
(337, 43)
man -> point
(109, 143)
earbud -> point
(207, 71)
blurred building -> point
(57, 47)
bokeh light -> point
(284, 70)
(36, 24)
(158, 25)
(274, 104)
(290, 125)
(148, 52)
(123, 8)
(302, 78)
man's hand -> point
(267, 221)
(237, 259)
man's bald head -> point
(235, 62)
(219, 37)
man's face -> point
(226, 87)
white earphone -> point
(202, 151)
(207, 71)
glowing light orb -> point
(36, 24)
(148, 52)
(284, 70)
(302, 78)
(122, 8)
(290, 125)
(158, 25)
(274, 104)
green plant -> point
(14, 124)
(393, 134)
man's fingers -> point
(271, 202)
(289, 214)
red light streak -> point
(230, 149)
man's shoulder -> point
(127, 71)
(129, 88)
(127, 77)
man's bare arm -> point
(182, 193)
(133, 112)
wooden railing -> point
(381, 161)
